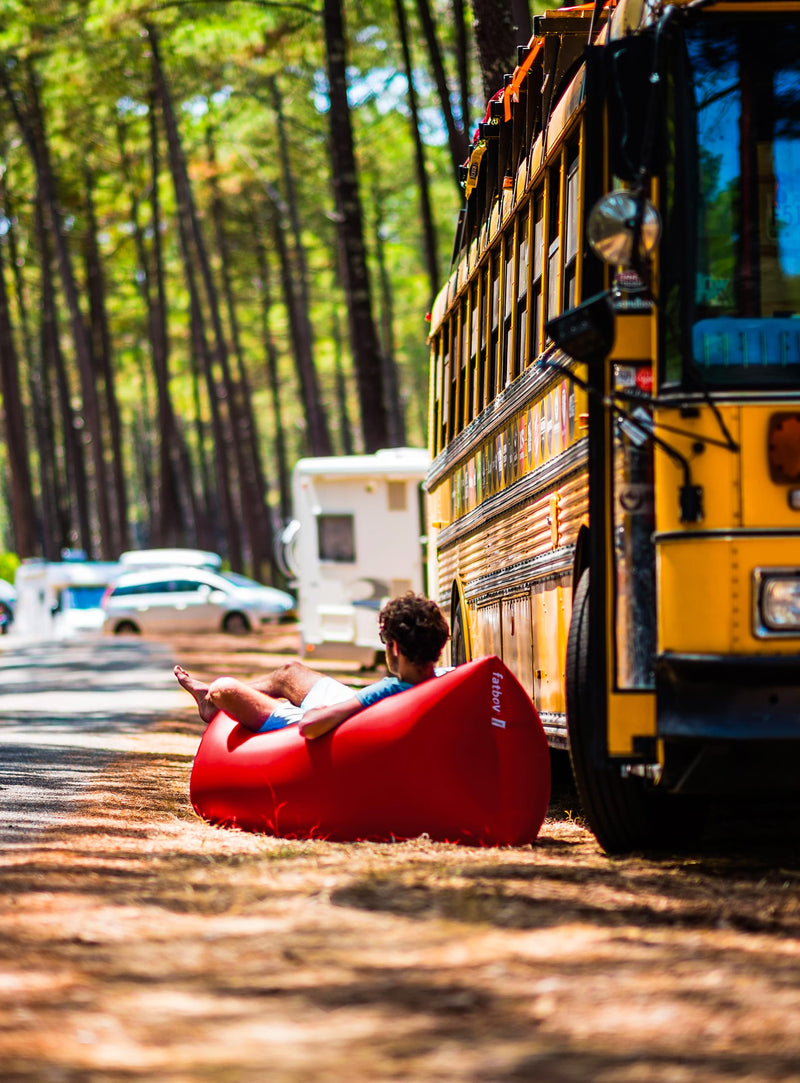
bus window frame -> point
(463, 359)
(572, 166)
(554, 247)
(474, 347)
(508, 305)
(522, 300)
(538, 281)
(483, 345)
(495, 301)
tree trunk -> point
(316, 417)
(189, 232)
(521, 13)
(23, 513)
(103, 355)
(279, 439)
(394, 405)
(342, 397)
(256, 509)
(496, 39)
(173, 500)
(72, 496)
(456, 137)
(314, 441)
(363, 337)
(178, 502)
(425, 208)
(462, 64)
(40, 394)
(31, 123)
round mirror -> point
(612, 223)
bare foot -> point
(199, 691)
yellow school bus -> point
(614, 414)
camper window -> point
(396, 495)
(337, 538)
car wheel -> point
(127, 628)
(236, 624)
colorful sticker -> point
(564, 417)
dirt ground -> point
(137, 943)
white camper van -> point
(57, 599)
(357, 539)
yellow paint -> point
(630, 714)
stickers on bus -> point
(564, 417)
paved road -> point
(67, 708)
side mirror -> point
(623, 228)
(585, 332)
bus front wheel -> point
(624, 813)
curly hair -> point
(417, 625)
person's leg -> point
(292, 681)
(198, 689)
(241, 702)
(251, 707)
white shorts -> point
(325, 693)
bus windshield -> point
(745, 80)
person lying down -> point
(414, 632)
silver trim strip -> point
(528, 487)
(528, 387)
(523, 574)
(555, 726)
(727, 535)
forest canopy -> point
(221, 227)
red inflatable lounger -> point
(462, 758)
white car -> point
(191, 600)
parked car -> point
(7, 598)
(191, 600)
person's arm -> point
(320, 720)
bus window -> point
(569, 298)
(452, 396)
(522, 290)
(473, 403)
(463, 382)
(508, 308)
(436, 411)
(495, 345)
(446, 404)
(538, 267)
(553, 241)
(482, 325)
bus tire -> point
(625, 814)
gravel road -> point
(139, 944)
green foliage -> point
(9, 562)
(92, 62)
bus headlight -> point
(779, 602)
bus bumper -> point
(728, 696)
(726, 723)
